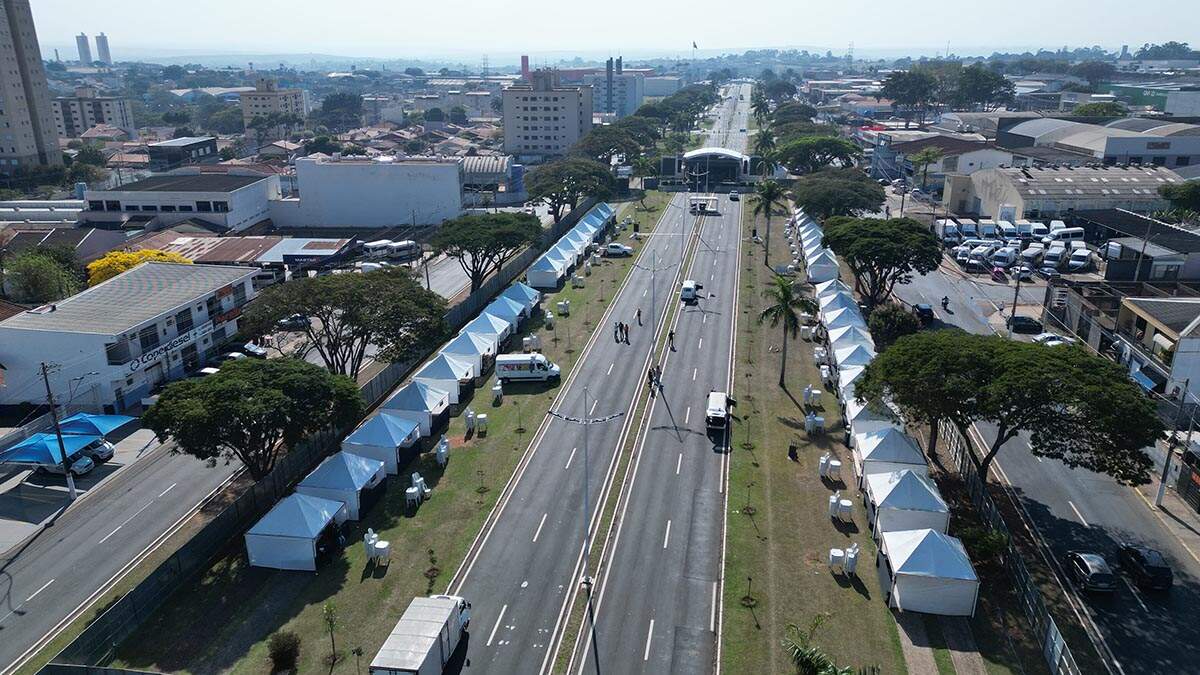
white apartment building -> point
(543, 118)
(617, 92)
(74, 115)
(268, 98)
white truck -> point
(424, 638)
(947, 231)
(533, 366)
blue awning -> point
(42, 448)
(1144, 380)
(87, 423)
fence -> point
(1054, 648)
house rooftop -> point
(182, 142)
(947, 144)
(1179, 315)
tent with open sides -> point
(42, 448)
(577, 240)
(546, 272)
(476, 348)
(96, 425)
(290, 535)
(382, 437)
(885, 451)
(448, 373)
(419, 402)
(348, 478)
(929, 572)
(905, 500)
(520, 293)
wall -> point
(663, 86)
(1183, 103)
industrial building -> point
(1045, 192)
(1131, 140)
(233, 201)
(177, 152)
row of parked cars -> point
(1146, 567)
(1024, 248)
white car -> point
(1053, 339)
(615, 250)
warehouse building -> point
(1055, 192)
(232, 200)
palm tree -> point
(764, 141)
(808, 659)
(761, 108)
(642, 167)
(784, 309)
(922, 159)
(768, 195)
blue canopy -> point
(298, 515)
(519, 292)
(509, 310)
(384, 431)
(343, 471)
(87, 423)
(42, 448)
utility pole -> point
(1162, 483)
(1013, 313)
(653, 292)
(62, 448)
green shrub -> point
(284, 648)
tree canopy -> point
(399, 319)
(483, 242)
(340, 111)
(838, 192)
(1184, 195)
(882, 253)
(813, 153)
(911, 92)
(251, 409)
(40, 275)
(561, 184)
(1100, 109)
(981, 87)
(604, 142)
(793, 111)
(890, 322)
(1095, 72)
(116, 262)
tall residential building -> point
(268, 98)
(617, 92)
(74, 115)
(102, 52)
(27, 134)
(544, 118)
(85, 50)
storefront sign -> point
(162, 350)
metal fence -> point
(1054, 647)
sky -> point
(469, 29)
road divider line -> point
(649, 637)
(110, 534)
(496, 627)
(701, 345)
(610, 367)
(47, 585)
(164, 492)
(539, 527)
(570, 459)
(593, 406)
(694, 371)
(678, 463)
(1136, 596)
(712, 616)
(687, 415)
(667, 536)
(1077, 513)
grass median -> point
(221, 620)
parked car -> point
(99, 450)
(734, 196)
(229, 356)
(295, 322)
(1147, 567)
(254, 351)
(924, 313)
(81, 465)
(1023, 272)
(616, 250)
(1023, 324)
(1053, 339)
(1090, 571)
(1048, 273)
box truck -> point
(424, 638)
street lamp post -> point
(62, 449)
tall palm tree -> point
(768, 195)
(761, 108)
(764, 141)
(921, 161)
(784, 309)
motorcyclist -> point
(945, 302)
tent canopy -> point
(840, 318)
(97, 425)
(848, 376)
(476, 344)
(343, 471)
(546, 263)
(299, 516)
(418, 396)
(488, 324)
(888, 445)
(520, 293)
(832, 303)
(830, 287)
(823, 255)
(849, 336)
(509, 310)
(854, 355)
(383, 430)
(42, 448)
(928, 553)
(905, 490)
(446, 367)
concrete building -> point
(891, 159)
(663, 85)
(357, 192)
(544, 118)
(74, 115)
(492, 180)
(177, 152)
(615, 91)
(27, 134)
(85, 50)
(102, 53)
(120, 339)
(267, 98)
(1131, 140)
(1054, 192)
(231, 200)
(1184, 102)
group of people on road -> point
(621, 332)
(654, 379)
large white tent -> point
(929, 572)
(448, 373)
(886, 450)
(867, 416)
(419, 402)
(490, 325)
(473, 347)
(831, 287)
(346, 478)
(286, 538)
(840, 318)
(823, 267)
(832, 303)
(905, 500)
(811, 247)
(546, 272)
(853, 356)
(846, 378)
(849, 336)
(509, 310)
(520, 293)
(382, 437)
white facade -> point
(663, 85)
(621, 95)
(236, 207)
(382, 192)
(1183, 103)
(545, 119)
(74, 115)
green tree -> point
(251, 409)
(179, 117)
(882, 253)
(90, 154)
(435, 115)
(784, 305)
(838, 192)
(174, 73)
(339, 111)
(768, 196)
(458, 115)
(980, 86)
(562, 183)
(779, 90)
(764, 142)
(183, 132)
(415, 72)
(793, 112)
(329, 617)
(1167, 50)
(760, 107)
(889, 322)
(38, 276)
(1184, 196)
(482, 243)
(809, 659)
(922, 159)
(1095, 72)
(604, 142)
(813, 153)
(643, 130)
(911, 93)
(400, 319)
(1075, 407)
(323, 144)
(1104, 109)
(226, 121)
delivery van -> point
(425, 637)
(532, 366)
(1064, 234)
(716, 410)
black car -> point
(1145, 566)
(1023, 324)
(924, 313)
(295, 322)
(1090, 571)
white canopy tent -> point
(853, 356)
(840, 318)
(473, 347)
(520, 293)
(811, 247)
(509, 310)
(577, 240)
(344, 477)
(832, 286)
(490, 325)
(419, 402)
(382, 437)
(849, 336)
(448, 373)
(565, 253)
(286, 538)
(865, 417)
(546, 272)
(823, 267)
(886, 450)
(905, 500)
(929, 572)
(832, 303)
(846, 378)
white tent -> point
(865, 417)
(520, 293)
(822, 267)
(905, 500)
(848, 336)
(929, 572)
(448, 373)
(563, 252)
(885, 451)
(811, 247)
(473, 347)
(840, 318)
(852, 356)
(831, 303)
(577, 240)
(545, 272)
(509, 310)
(286, 538)
(846, 378)
(344, 477)
(419, 402)
(490, 326)
(382, 437)
(832, 286)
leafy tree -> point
(644, 131)
(482, 243)
(415, 72)
(1100, 109)
(838, 192)
(561, 184)
(1075, 407)
(227, 121)
(415, 146)
(760, 107)
(339, 111)
(793, 111)
(980, 86)
(790, 131)
(174, 73)
(809, 659)
(785, 303)
(779, 90)
(399, 319)
(180, 117)
(458, 115)
(323, 144)
(1184, 196)
(117, 262)
(39, 275)
(1095, 72)
(813, 153)
(435, 115)
(90, 154)
(604, 142)
(764, 142)
(882, 253)
(251, 409)
(911, 93)
(183, 132)
(922, 159)
(890, 322)
(768, 196)
(1167, 50)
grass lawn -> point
(778, 548)
(220, 621)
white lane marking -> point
(570, 458)
(703, 318)
(47, 585)
(1136, 596)
(1077, 513)
(678, 463)
(649, 637)
(667, 536)
(687, 415)
(694, 374)
(593, 406)
(610, 367)
(539, 528)
(712, 276)
(498, 620)
(712, 617)
(701, 345)
(111, 534)
(135, 515)
(645, 292)
(164, 492)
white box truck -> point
(424, 638)
(525, 367)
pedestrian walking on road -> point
(626, 331)
(650, 380)
(639, 316)
(617, 331)
(658, 376)
(671, 339)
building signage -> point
(162, 350)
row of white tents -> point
(549, 270)
(928, 571)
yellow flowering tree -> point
(116, 262)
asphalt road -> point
(732, 117)
(519, 574)
(1081, 510)
(44, 581)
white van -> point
(1055, 256)
(689, 292)
(1032, 255)
(1039, 230)
(404, 250)
(1005, 257)
(378, 248)
(1064, 234)
(1007, 229)
(987, 228)
(1080, 260)
(532, 366)
(716, 410)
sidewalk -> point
(1179, 518)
